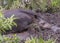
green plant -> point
(8, 4)
(1, 38)
(40, 40)
(55, 5)
(6, 23)
(42, 5)
(4, 39)
(16, 4)
(13, 39)
(37, 4)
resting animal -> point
(24, 18)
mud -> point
(54, 20)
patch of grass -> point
(40, 40)
(42, 5)
(14, 39)
(55, 5)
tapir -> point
(24, 18)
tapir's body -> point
(24, 18)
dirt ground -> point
(54, 19)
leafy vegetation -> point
(55, 5)
(16, 4)
(39, 4)
(40, 40)
(42, 5)
(14, 39)
(6, 23)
